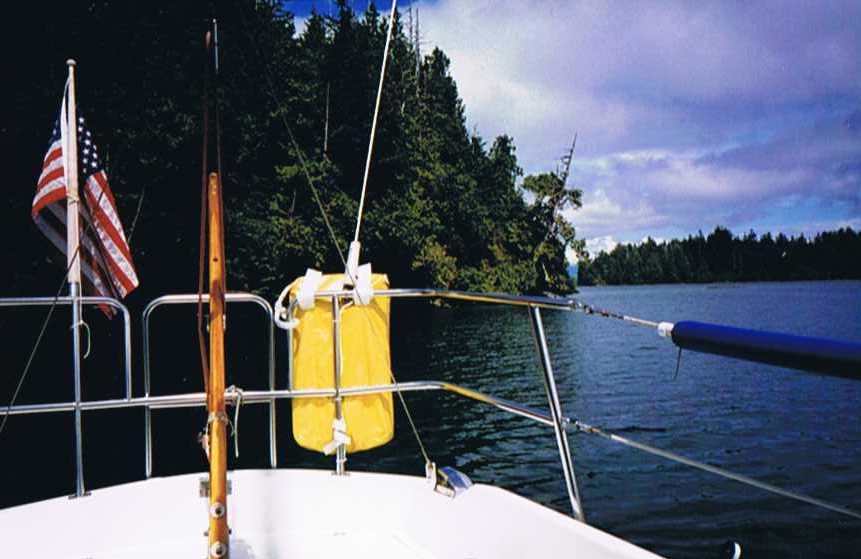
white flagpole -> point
(71, 150)
(74, 263)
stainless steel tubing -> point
(341, 450)
(265, 396)
(189, 298)
(75, 292)
(273, 428)
(88, 300)
(556, 413)
(77, 301)
(557, 303)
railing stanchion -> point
(273, 433)
(127, 343)
(189, 299)
(341, 450)
(75, 293)
(147, 409)
(556, 413)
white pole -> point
(71, 149)
(74, 264)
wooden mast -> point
(217, 419)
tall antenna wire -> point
(374, 121)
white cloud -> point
(597, 245)
(601, 215)
(689, 114)
(621, 73)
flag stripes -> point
(104, 253)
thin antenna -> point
(374, 124)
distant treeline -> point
(721, 256)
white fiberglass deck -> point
(295, 514)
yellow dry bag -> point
(365, 360)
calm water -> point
(795, 430)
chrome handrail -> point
(180, 299)
(532, 303)
(561, 423)
(256, 396)
(192, 399)
(544, 302)
(284, 318)
(76, 405)
(556, 414)
(66, 300)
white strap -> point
(351, 273)
(308, 289)
(339, 436)
(363, 293)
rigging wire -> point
(409, 415)
(46, 320)
(374, 120)
(589, 309)
(672, 456)
(75, 255)
(300, 155)
(134, 224)
(398, 391)
(35, 348)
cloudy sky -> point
(688, 114)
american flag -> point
(106, 261)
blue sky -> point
(689, 114)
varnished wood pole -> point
(217, 421)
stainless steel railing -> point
(284, 316)
(193, 299)
(64, 301)
(76, 405)
(555, 418)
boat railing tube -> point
(539, 301)
(198, 399)
(76, 300)
(192, 298)
(820, 355)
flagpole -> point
(74, 264)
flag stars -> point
(112, 271)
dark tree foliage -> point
(443, 208)
(724, 257)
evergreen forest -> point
(722, 256)
(445, 207)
